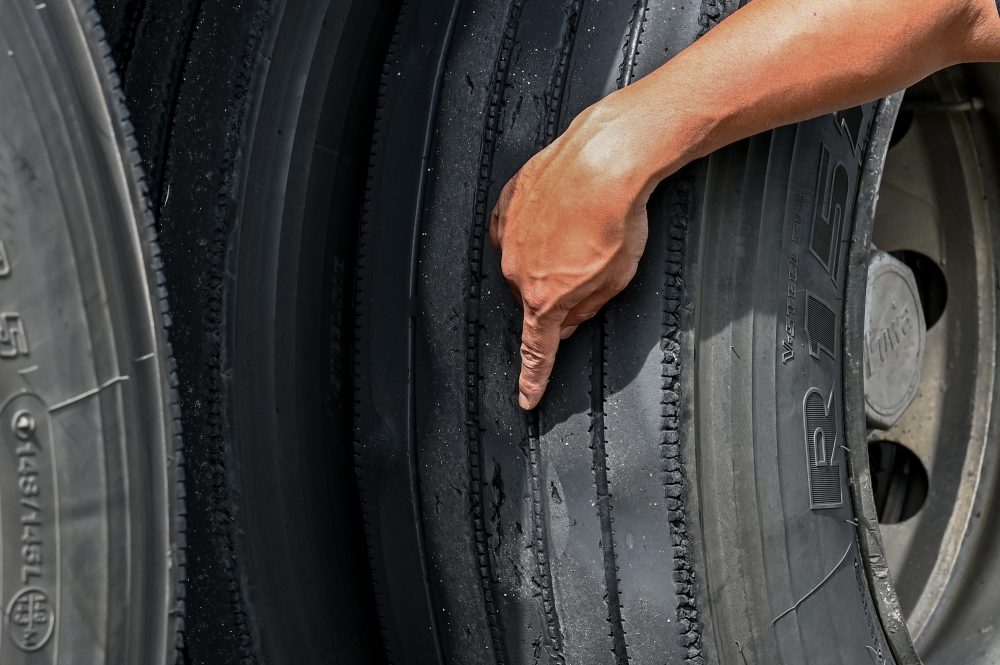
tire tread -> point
(120, 114)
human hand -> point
(572, 223)
(571, 226)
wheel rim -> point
(935, 209)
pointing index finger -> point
(539, 343)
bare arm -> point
(572, 224)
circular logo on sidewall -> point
(30, 619)
(23, 424)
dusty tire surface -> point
(91, 494)
(255, 123)
(681, 495)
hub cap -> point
(894, 340)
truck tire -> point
(665, 503)
(91, 494)
(255, 122)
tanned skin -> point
(572, 225)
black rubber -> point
(91, 493)
(256, 127)
(149, 41)
(680, 496)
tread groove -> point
(630, 50)
(222, 518)
(363, 231)
(554, 96)
(122, 50)
(477, 464)
(539, 536)
(597, 395)
(626, 71)
(681, 208)
(160, 144)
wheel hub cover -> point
(894, 340)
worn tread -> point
(494, 484)
(477, 238)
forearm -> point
(777, 62)
(572, 224)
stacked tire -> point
(356, 482)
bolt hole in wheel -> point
(903, 123)
(899, 481)
(930, 385)
(931, 284)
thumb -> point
(539, 342)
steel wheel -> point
(934, 471)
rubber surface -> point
(680, 495)
(149, 42)
(257, 121)
(881, 586)
(91, 493)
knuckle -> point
(619, 284)
(515, 180)
(532, 358)
(496, 234)
(509, 191)
(509, 269)
(536, 300)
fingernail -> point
(522, 399)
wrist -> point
(656, 127)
